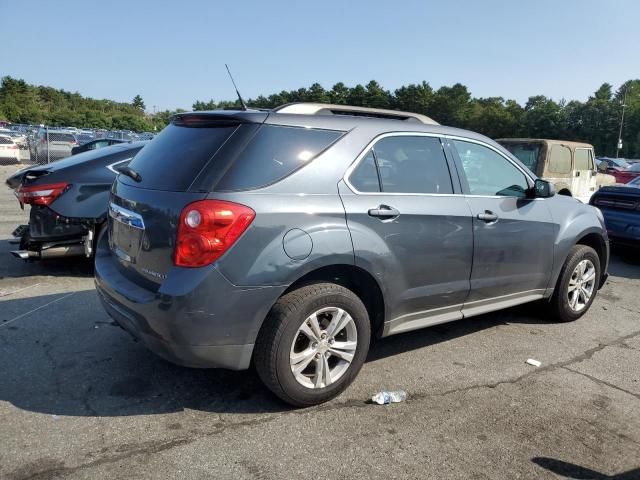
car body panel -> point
(84, 203)
(620, 206)
(433, 263)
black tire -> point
(273, 346)
(559, 303)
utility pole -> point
(624, 105)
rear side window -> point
(177, 155)
(274, 153)
(365, 177)
(560, 159)
(5, 141)
(405, 164)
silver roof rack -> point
(330, 109)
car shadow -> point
(62, 355)
(572, 471)
(625, 262)
(13, 267)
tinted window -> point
(175, 157)
(581, 159)
(560, 159)
(5, 140)
(410, 165)
(489, 173)
(365, 177)
(274, 153)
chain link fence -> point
(42, 145)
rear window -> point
(60, 137)
(274, 153)
(5, 141)
(527, 153)
(177, 155)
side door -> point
(584, 173)
(513, 235)
(411, 228)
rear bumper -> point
(196, 318)
(233, 357)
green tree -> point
(138, 103)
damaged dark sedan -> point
(68, 200)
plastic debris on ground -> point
(385, 398)
(535, 363)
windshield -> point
(527, 153)
(635, 167)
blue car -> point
(620, 206)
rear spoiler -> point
(218, 118)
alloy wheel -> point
(323, 348)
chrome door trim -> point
(112, 165)
(364, 152)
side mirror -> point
(543, 189)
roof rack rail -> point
(304, 108)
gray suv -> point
(290, 238)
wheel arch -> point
(356, 279)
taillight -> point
(208, 228)
(41, 194)
(14, 146)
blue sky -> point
(173, 52)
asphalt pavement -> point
(80, 399)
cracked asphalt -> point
(79, 399)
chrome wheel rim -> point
(581, 285)
(323, 348)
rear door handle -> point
(488, 216)
(384, 212)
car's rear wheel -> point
(577, 285)
(313, 344)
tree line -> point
(595, 121)
(21, 102)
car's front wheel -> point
(577, 285)
(313, 344)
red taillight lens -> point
(14, 146)
(207, 230)
(41, 194)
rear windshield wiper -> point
(130, 172)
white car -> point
(9, 150)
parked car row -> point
(47, 144)
(623, 170)
(288, 239)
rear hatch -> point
(144, 215)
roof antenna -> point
(244, 105)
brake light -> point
(41, 194)
(208, 228)
(14, 146)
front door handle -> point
(384, 212)
(488, 216)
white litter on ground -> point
(535, 363)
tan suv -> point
(570, 166)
